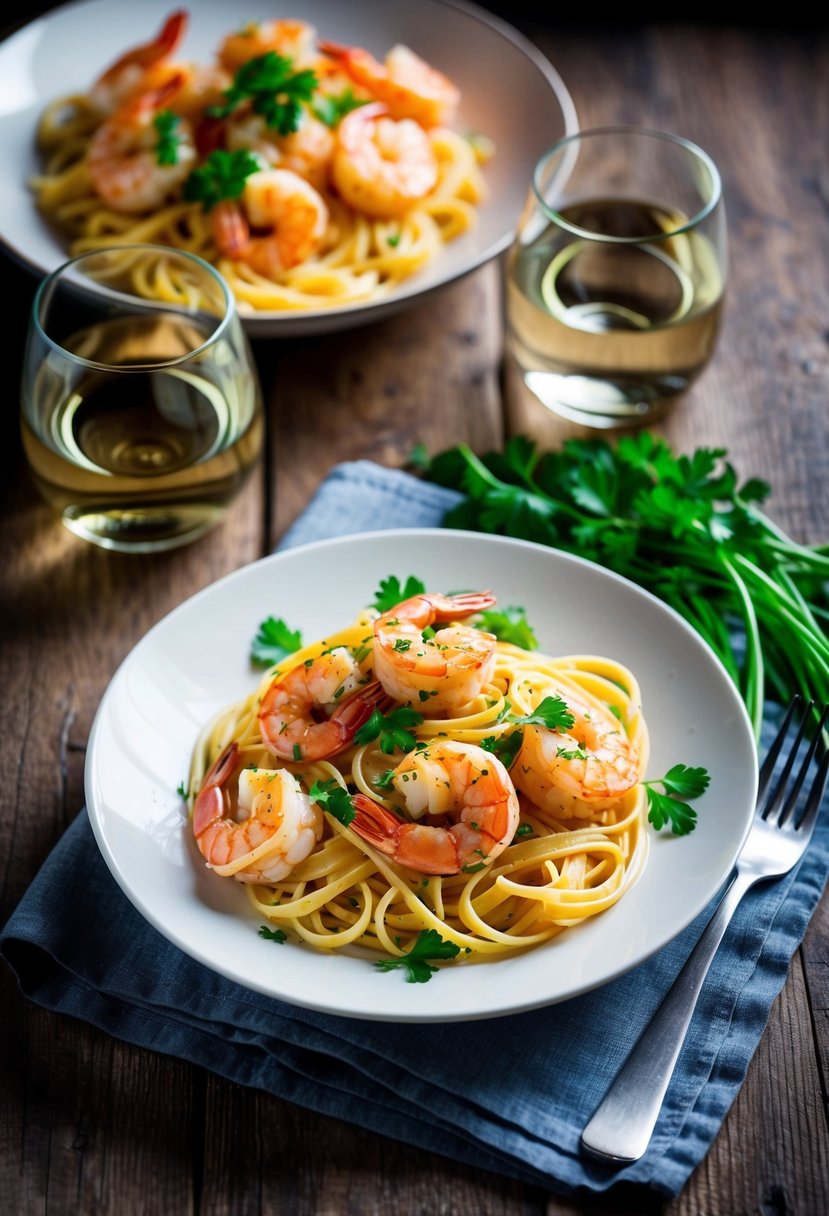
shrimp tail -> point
(358, 707)
(231, 230)
(169, 37)
(449, 607)
(209, 804)
(376, 825)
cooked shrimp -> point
(277, 828)
(122, 161)
(128, 75)
(443, 672)
(382, 167)
(577, 771)
(296, 40)
(315, 710)
(289, 208)
(306, 151)
(457, 780)
(405, 83)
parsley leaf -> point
(166, 124)
(391, 729)
(273, 642)
(331, 108)
(273, 935)
(182, 791)
(679, 784)
(552, 712)
(223, 175)
(391, 592)
(275, 90)
(429, 945)
(505, 747)
(333, 798)
(509, 625)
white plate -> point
(509, 92)
(195, 661)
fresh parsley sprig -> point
(391, 729)
(428, 945)
(391, 591)
(333, 798)
(509, 624)
(167, 124)
(222, 176)
(552, 712)
(505, 747)
(670, 804)
(274, 641)
(331, 108)
(683, 527)
(274, 89)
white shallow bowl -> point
(509, 92)
(195, 661)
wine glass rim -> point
(148, 304)
(569, 142)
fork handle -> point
(621, 1128)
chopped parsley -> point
(167, 124)
(504, 747)
(222, 176)
(273, 935)
(333, 798)
(331, 108)
(391, 729)
(274, 89)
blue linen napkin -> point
(523, 1113)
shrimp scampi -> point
(382, 166)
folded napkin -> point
(508, 1094)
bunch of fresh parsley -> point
(680, 526)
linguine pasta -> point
(559, 869)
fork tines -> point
(778, 802)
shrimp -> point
(315, 710)
(122, 161)
(306, 151)
(579, 770)
(292, 211)
(382, 166)
(128, 75)
(405, 83)
(278, 827)
(296, 40)
(444, 672)
(448, 778)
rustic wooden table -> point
(91, 1125)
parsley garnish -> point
(505, 747)
(384, 781)
(182, 790)
(680, 784)
(552, 712)
(273, 935)
(429, 944)
(393, 240)
(330, 108)
(166, 124)
(390, 591)
(273, 642)
(391, 729)
(274, 88)
(509, 625)
(223, 175)
(333, 798)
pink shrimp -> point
(123, 162)
(444, 672)
(381, 166)
(315, 710)
(277, 828)
(580, 769)
(458, 780)
(405, 83)
(288, 207)
(127, 77)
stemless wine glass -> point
(616, 275)
(141, 410)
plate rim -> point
(402, 1015)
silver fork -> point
(621, 1128)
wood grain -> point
(91, 1125)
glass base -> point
(141, 530)
(594, 401)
